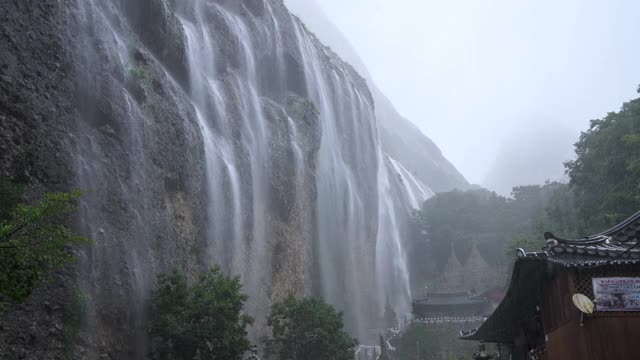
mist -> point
(491, 82)
(319, 179)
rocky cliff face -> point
(203, 132)
(403, 141)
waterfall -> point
(237, 226)
(230, 166)
(344, 243)
(414, 189)
(391, 265)
(346, 247)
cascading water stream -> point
(347, 206)
(130, 268)
(340, 207)
(238, 205)
(416, 192)
(391, 263)
(346, 244)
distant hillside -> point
(530, 156)
(401, 139)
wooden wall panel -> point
(601, 338)
(557, 304)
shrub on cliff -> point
(33, 239)
(203, 320)
(308, 329)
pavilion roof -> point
(452, 298)
(618, 245)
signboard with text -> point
(617, 293)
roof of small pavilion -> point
(618, 245)
(452, 298)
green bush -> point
(138, 72)
(203, 320)
(33, 240)
(308, 329)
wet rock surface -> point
(202, 132)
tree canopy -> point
(604, 189)
(203, 320)
(458, 220)
(33, 239)
(308, 329)
(606, 172)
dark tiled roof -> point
(455, 298)
(618, 245)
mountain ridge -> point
(401, 138)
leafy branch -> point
(33, 241)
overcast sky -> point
(481, 77)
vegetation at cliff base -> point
(459, 220)
(33, 239)
(308, 329)
(201, 320)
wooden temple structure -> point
(463, 304)
(537, 319)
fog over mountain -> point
(469, 74)
(278, 179)
(400, 138)
(530, 156)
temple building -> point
(574, 300)
(463, 304)
(466, 273)
(449, 302)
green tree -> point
(308, 329)
(33, 239)
(606, 172)
(458, 220)
(561, 215)
(203, 320)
